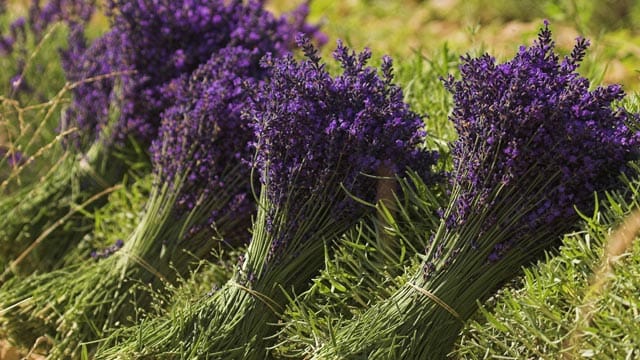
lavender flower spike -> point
(536, 115)
(154, 42)
(316, 133)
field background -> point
(408, 28)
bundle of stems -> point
(236, 320)
(421, 320)
(199, 198)
(312, 166)
(534, 146)
(364, 269)
(79, 303)
(47, 218)
(127, 66)
(201, 179)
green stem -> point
(80, 305)
(239, 320)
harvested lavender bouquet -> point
(320, 141)
(199, 198)
(120, 85)
(534, 146)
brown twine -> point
(438, 301)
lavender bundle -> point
(122, 83)
(40, 18)
(200, 197)
(534, 146)
(320, 142)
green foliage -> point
(113, 221)
(45, 219)
(80, 303)
(174, 303)
(370, 260)
(533, 317)
(29, 118)
(584, 14)
(420, 78)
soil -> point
(10, 352)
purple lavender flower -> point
(39, 19)
(533, 142)
(195, 150)
(17, 34)
(317, 133)
(200, 157)
(534, 118)
(317, 139)
(94, 70)
(204, 135)
(16, 82)
(160, 41)
(71, 12)
(108, 251)
(15, 159)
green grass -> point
(369, 264)
(533, 316)
(115, 220)
(30, 120)
(364, 269)
(400, 28)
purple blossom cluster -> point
(105, 253)
(71, 12)
(532, 125)
(40, 17)
(17, 34)
(204, 135)
(158, 41)
(32, 28)
(316, 133)
(14, 157)
(94, 70)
